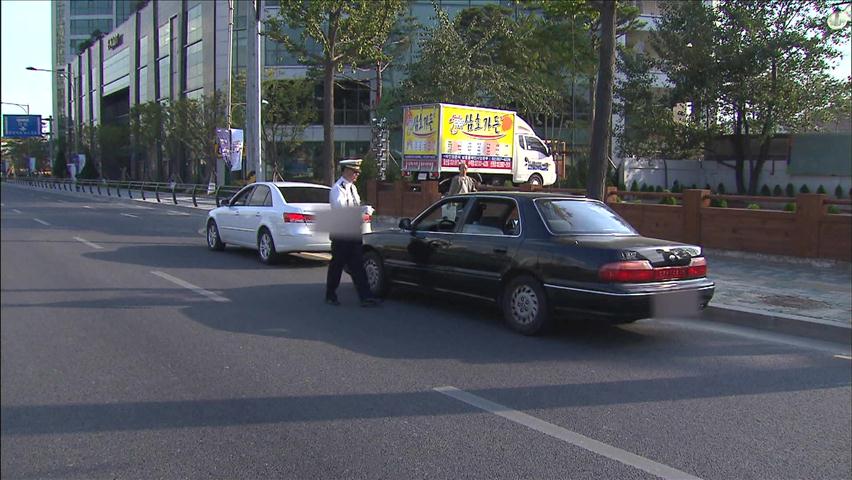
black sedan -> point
(538, 254)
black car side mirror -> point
(405, 224)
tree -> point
(485, 56)
(751, 70)
(193, 123)
(602, 122)
(346, 32)
(146, 126)
(290, 109)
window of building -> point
(143, 51)
(194, 66)
(116, 66)
(91, 7)
(164, 72)
(239, 50)
(142, 85)
(164, 35)
(351, 103)
(88, 26)
(275, 54)
(193, 24)
(124, 9)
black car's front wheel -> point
(376, 277)
(525, 306)
(214, 241)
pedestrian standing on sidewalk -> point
(346, 250)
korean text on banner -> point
(483, 138)
(420, 130)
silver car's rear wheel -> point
(266, 248)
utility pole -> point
(221, 166)
(253, 154)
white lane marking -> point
(16, 210)
(86, 206)
(129, 215)
(582, 441)
(844, 357)
(172, 212)
(93, 245)
(143, 208)
(41, 221)
(194, 288)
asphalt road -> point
(131, 351)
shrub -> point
(838, 192)
(634, 187)
(821, 190)
(804, 189)
(719, 203)
(833, 209)
(777, 191)
(765, 191)
(708, 187)
(721, 188)
(658, 189)
(790, 207)
(644, 187)
(790, 190)
(676, 188)
(753, 206)
(694, 186)
(668, 201)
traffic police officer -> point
(346, 250)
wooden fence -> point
(810, 231)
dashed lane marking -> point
(129, 215)
(86, 206)
(172, 212)
(86, 242)
(143, 208)
(844, 357)
(195, 288)
(16, 210)
(41, 222)
(560, 433)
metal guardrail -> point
(176, 193)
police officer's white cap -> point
(354, 164)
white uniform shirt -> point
(344, 194)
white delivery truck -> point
(496, 145)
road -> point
(131, 351)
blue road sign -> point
(21, 126)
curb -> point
(779, 322)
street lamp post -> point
(62, 73)
(23, 106)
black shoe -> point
(332, 301)
(370, 302)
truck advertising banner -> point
(480, 137)
(420, 134)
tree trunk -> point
(754, 174)
(328, 125)
(599, 157)
(739, 151)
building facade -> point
(165, 50)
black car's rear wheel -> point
(377, 279)
(266, 248)
(525, 306)
(214, 241)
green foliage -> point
(753, 206)
(658, 189)
(833, 209)
(676, 188)
(790, 190)
(838, 192)
(804, 189)
(719, 203)
(634, 187)
(790, 207)
(821, 190)
(765, 191)
(60, 164)
(777, 191)
(720, 189)
(668, 201)
(644, 187)
(750, 68)
(348, 34)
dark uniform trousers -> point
(346, 253)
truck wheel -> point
(535, 179)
